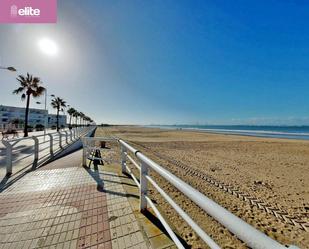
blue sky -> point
(170, 62)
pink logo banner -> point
(28, 11)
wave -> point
(254, 131)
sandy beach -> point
(262, 180)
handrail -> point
(9, 145)
(245, 232)
(184, 215)
(25, 138)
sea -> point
(289, 132)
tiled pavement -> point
(65, 205)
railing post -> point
(66, 137)
(71, 135)
(84, 152)
(144, 186)
(36, 151)
(9, 163)
(123, 159)
(60, 140)
(51, 144)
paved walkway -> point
(64, 205)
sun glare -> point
(48, 46)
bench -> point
(92, 149)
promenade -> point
(95, 202)
(65, 205)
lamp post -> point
(46, 111)
(12, 69)
(65, 111)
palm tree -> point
(71, 112)
(75, 115)
(59, 104)
(81, 117)
(29, 85)
(86, 120)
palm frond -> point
(22, 80)
(54, 105)
(29, 77)
(19, 90)
(30, 85)
(58, 103)
(21, 77)
(71, 111)
(38, 92)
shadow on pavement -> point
(154, 220)
(95, 174)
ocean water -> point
(290, 132)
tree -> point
(29, 85)
(90, 120)
(81, 117)
(58, 104)
(87, 120)
(71, 112)
(75, 115)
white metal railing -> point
(245, 232)
(91, 145)
(19, 127)
(39, 148)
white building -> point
(52, 120)
(16, 115)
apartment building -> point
(16, 115)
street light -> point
(12, 69)
(65, 112)
(46, 111)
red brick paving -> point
(91, 205)
(60, 205)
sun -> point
(48, 46)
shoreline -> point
(249, 133)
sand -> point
(267, 180)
